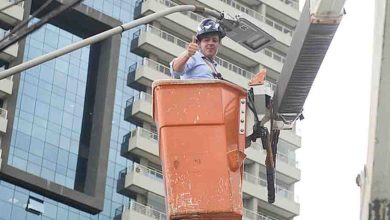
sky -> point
(335, 129)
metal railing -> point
(158, 215)
(280, 27)
(139, 131)
(151, 64)
(249, 214)
(274, 55)
(262, 182)
(141, 96)
(139, 169)
(3, 113)
(192, 15)
(279, 156)
(142, 209)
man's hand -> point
(192, 47)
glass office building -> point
(52, 115)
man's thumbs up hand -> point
(192, 47)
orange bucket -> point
(201, 126)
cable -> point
(24, 22)
(9, 6)
(36, 26)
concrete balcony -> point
(286, 167)
(11, 16)
(3, 120)
(6, 87)
(142, 74)
(139, 109)
(186, 24)
(251, 215)
(291, 137)
(9, 53)
(138, 211)
(143, 143)
(135, 210)
(284, 204)
(152, 40)
(140, 179)
(288, 7)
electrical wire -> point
(61, 9)
(9, 6)
(25, 22)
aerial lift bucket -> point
(201, 126)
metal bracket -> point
(242, 116)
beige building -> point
(162, 40)
(374, 180)
(9, 18)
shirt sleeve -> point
(176, 74)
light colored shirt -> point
(195, 68)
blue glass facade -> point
(48, 117)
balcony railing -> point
(248, 214)
(142, 209)
(258, 16)
(151, 64)
(274, 55)
(139, 169)
(181, 43)
(141, 132)
(262, 182)
(279, 156)
(158, 215)
(141, 96)
(3, 113)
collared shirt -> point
(195, 68)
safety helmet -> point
(208, 26)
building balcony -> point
(139, 109)
(142, 74)
(143, 143)
(140, 179)
(186, 24)
(286, 167)
(150, 39)
(3, 120)
(9, 53)
(291, 137)
(6, 87)
(135, 210)
(251, 215)
(11, 16)
(284, 205)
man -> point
(198, 61)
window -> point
(35, 205)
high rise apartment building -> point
(71, 148)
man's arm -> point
(179, 62)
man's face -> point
(209, 45)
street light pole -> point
(106, 34)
